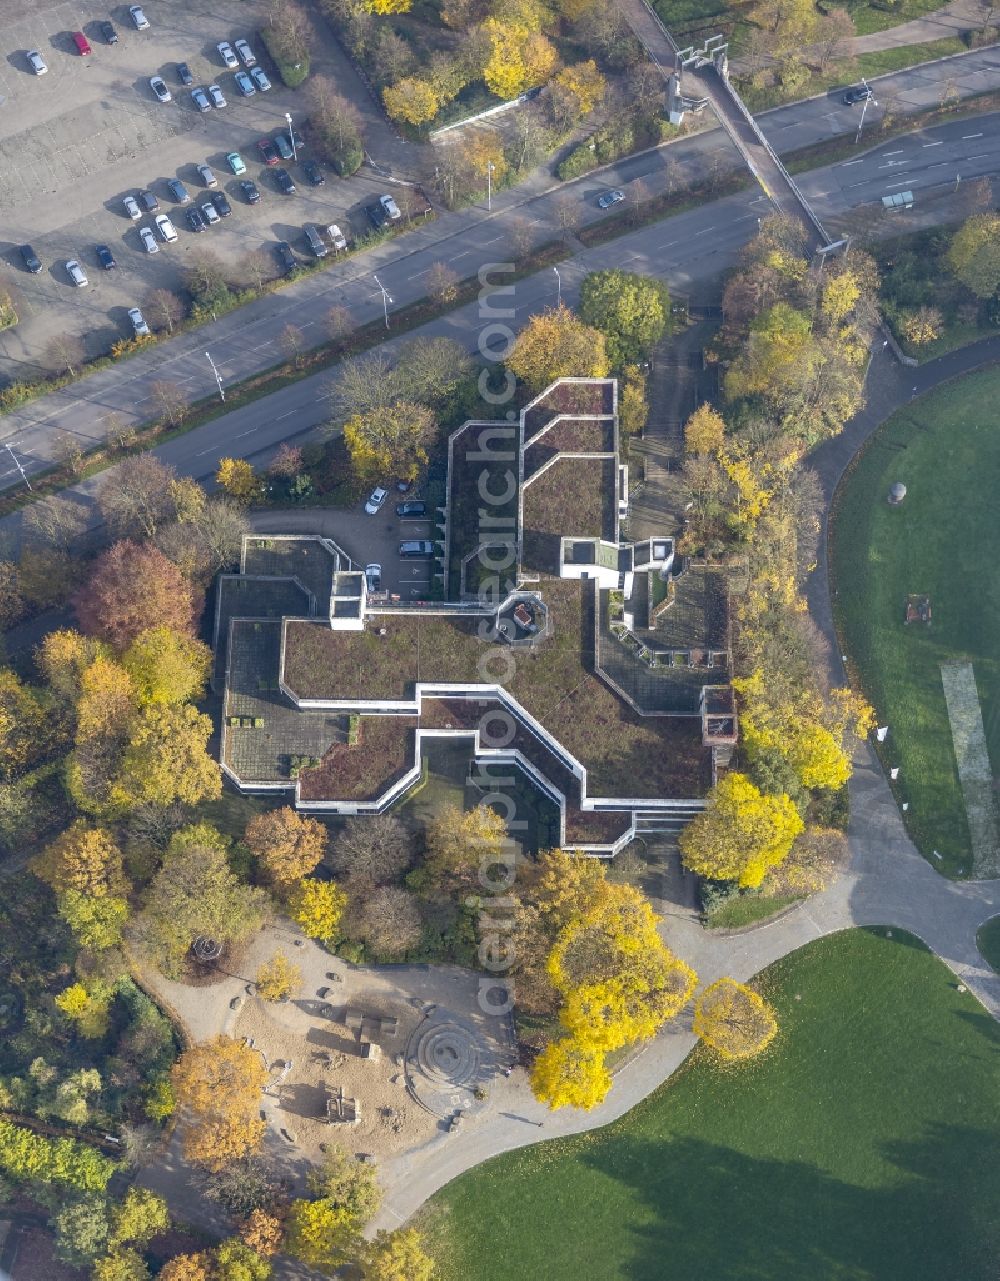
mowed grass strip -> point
(860, 1148)
(944, 541)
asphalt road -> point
(683, 249)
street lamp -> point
(489, 185)
(864, 108)
(218, 376)
(17, 464)
(291, 135)
(386, 298)
(558, 287)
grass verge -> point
(813, 1162)
(743, 910)
(988, 942)
(942, 541)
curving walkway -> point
(887, 883)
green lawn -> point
(862, 1148)
(693, 15)
(988, 942)
(748, 909)
(944, 540)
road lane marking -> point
(853, 162)
(933, 144)
(893, 153)
(971, 135)
(897, 184)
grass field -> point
(988, 942)
(748, 909)
(862, 1148)
(944, 540)
(691, 15)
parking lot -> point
(76, 140)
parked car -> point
(284, 147)
(222, 206)
(314, 174)
(242, 47)
(260, 79)
(315, 241)
(610, 198)
(108, 32)
(267, 152)
(105, 257)
(245, 85)
(148, 240)
(390, 207)
(373, 577)
(861, 94)
(209, 213)
(235, 162)
(207, 177)
(132, 208)
(284, 180)
(215, 93)
(184, 74)
(159, 87)
(413, 509)
(139, 19)
(149, 202)
(200, 99)
(337, 237)
(36, 62)
(194, 218)
(179, 192)
(403, 486)
(82, 44)
(166, 229)
(416, 547)
(226, 54)
(250, 191)
(76, 273)
(283, 251)
(384, 212)
(375, 500)
(30, 259)
(139, 326)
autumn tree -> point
(135, 497)
(292, 341)
(922, 325)
(171, 402)
(346, 1183)
(789, 24)
(288, 845)
(519, 58)
(85, 859)
(387, 919)
(87, 1007)
(317, 907)
(373, 850)
(320, 1235)
(741, 835)
(54, 522)
(166, 759)
(131, 589)
(570, 1074)
(460, 844)
(556, 344)
(263, 1233)
(442, 283)
(123, 1264)
(140, 1215)
(218, 1085)
(391, 441)
(364, 384)
(816, 857)
(24, 726)
(277, 978)
(236, 477)
(834, 32)
(704, 431)
(734, 1020)
(338, 322)
(431, 370)
(187, 1267)
(287, 461)
(167, 667)
(97, 923)
(630, 310)
(398, 1256)
(974, 254)
(576, 91)
(412, 100)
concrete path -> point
(951, 20)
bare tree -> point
(638, 198)
(364, 383)
(375, 850)
(292, 341)
(291, 31)
(67, 449)
(118, 432)
(64, 353)
(222, 525)
(334, 120)
(833, 35)
(442, 283)
(287, 461)
(567, 214)
(339, 322)
(136, 498)
(164, 309)
(54, 522)
(430, 369)
(522, 237)
(256, 267)
(387, 920)
(171, 401)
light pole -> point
(218, 376)
(386, 298)
(17, 464)
(291, 136)
(864, 108)
(489, 185)
(558, 287)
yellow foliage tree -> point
(187, 1267)
(704, 431)
(974, 254)
(840, 294)
(459, 844)
(583, 84)
(166, 667)
(742, 833)
(734, 1020)
(288, 845)
(922, 325)
(166, 759)
(565, 886)
(319, 1234)
(85, 859)
(107, 701)
(218, 1083)
(555, 344)
(278, 978)
(818, 759)
(483, 149)
(519, 59)
(390, 440)
(23, 726)
(317, 907)
(567, 1074)
(399, 1256)
(412, 100)
(389, 6)
(237, 477)
(64, 656)
(87, 1006)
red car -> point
(82, 43)
(267, 151)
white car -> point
(337, 237)
(76, 273)
(260, 79)
(132, 208)
(139, 326)
(159, 87)
(207, 177)
(210, 213)
(227, 55)
(390, 207)
(373, 576)
(242, 47)
(166, 229)
(148, 240)
(37, 63)
(376, 499)
(139, 19)
(215, 93)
